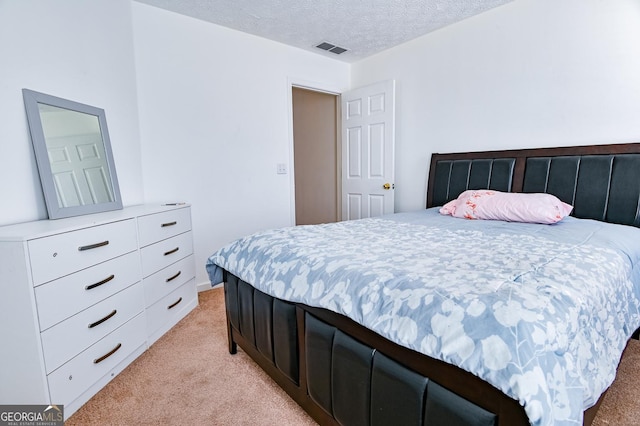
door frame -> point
(322, 88)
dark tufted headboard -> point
(602, 182)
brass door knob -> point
(387, 186)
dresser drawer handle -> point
(164, 225)
(171, 251)
(100, 321)
(174, 303)
(108, 354)
(173, 277)
(92, 246)
(98, 284)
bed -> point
(421, 318)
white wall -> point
(215, 121)
(532, 73)
(200, 113)
(75, 49)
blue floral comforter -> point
(542, 312)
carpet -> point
(188, 377)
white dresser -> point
(82, 297)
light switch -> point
(282, 169)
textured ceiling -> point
(363, 27)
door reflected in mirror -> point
(73, 153)
(76, 156)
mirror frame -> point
(55, 211)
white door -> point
(368, 145)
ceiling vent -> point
(331, 48)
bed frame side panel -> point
(342, 373)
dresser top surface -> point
(43, 228)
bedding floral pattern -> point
(542, 312)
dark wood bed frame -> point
(343, 373)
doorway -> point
(315, 156)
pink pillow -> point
(508, 206)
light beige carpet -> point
(188, 377)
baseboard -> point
(206, 286)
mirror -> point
(73, 154)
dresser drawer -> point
(59, 255)
(160, 226)
(59, 299)
(165, 252)
(166, 280)
(65, 340)
(76, 376)
(171, 308)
